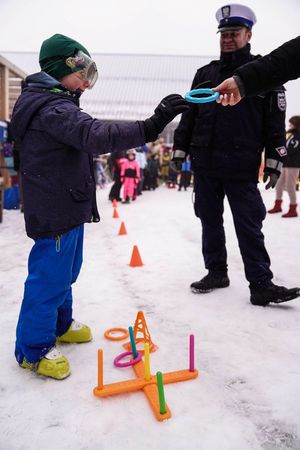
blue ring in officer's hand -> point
(189, 96)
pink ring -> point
(131, 362)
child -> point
(185, 174)
(57, 140)
(290, 172)
(130, 176)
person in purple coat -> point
(57, 141)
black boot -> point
(211, 281)
(272, 294)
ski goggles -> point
(82, 63)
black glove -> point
(273, 178)
(176, 159)
(165, 112)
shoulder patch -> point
(281, 101)
(281, 151)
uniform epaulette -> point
(214, 62)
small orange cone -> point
(114, 203)
(122, 229)
(136, 260)
(115, 214)
(141, 334)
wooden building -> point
(10, 86)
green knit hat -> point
(54, 52)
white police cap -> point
(234, 17)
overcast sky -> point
(140, 26)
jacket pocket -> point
(200, 141)
(82, 193)
(246, 144)
(247, 151)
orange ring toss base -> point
(149, 387)
(110, 337)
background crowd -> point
(153, 168)
(153, 160)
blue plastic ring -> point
(212, 96)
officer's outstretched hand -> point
(273, 178)
(229, 92)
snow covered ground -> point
(247, 395)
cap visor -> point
(232, 28)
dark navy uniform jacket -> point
(228, 142)
(57, 142)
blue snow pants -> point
(248, 211)
(46, 310)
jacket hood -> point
(37, 90)
(40, 79)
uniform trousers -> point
(248, 213)
(46, 311)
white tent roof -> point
(129, 86)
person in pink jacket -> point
(130, 176)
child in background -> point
(290, 172)
(130, 176)
(185, 174)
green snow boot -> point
(77, 333)
(53, 365)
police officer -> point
(225, 146)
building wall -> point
(10, 87)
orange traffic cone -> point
(141, 334)
(115, 214)
(136, 260)
(114, 203)
(122, 229)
